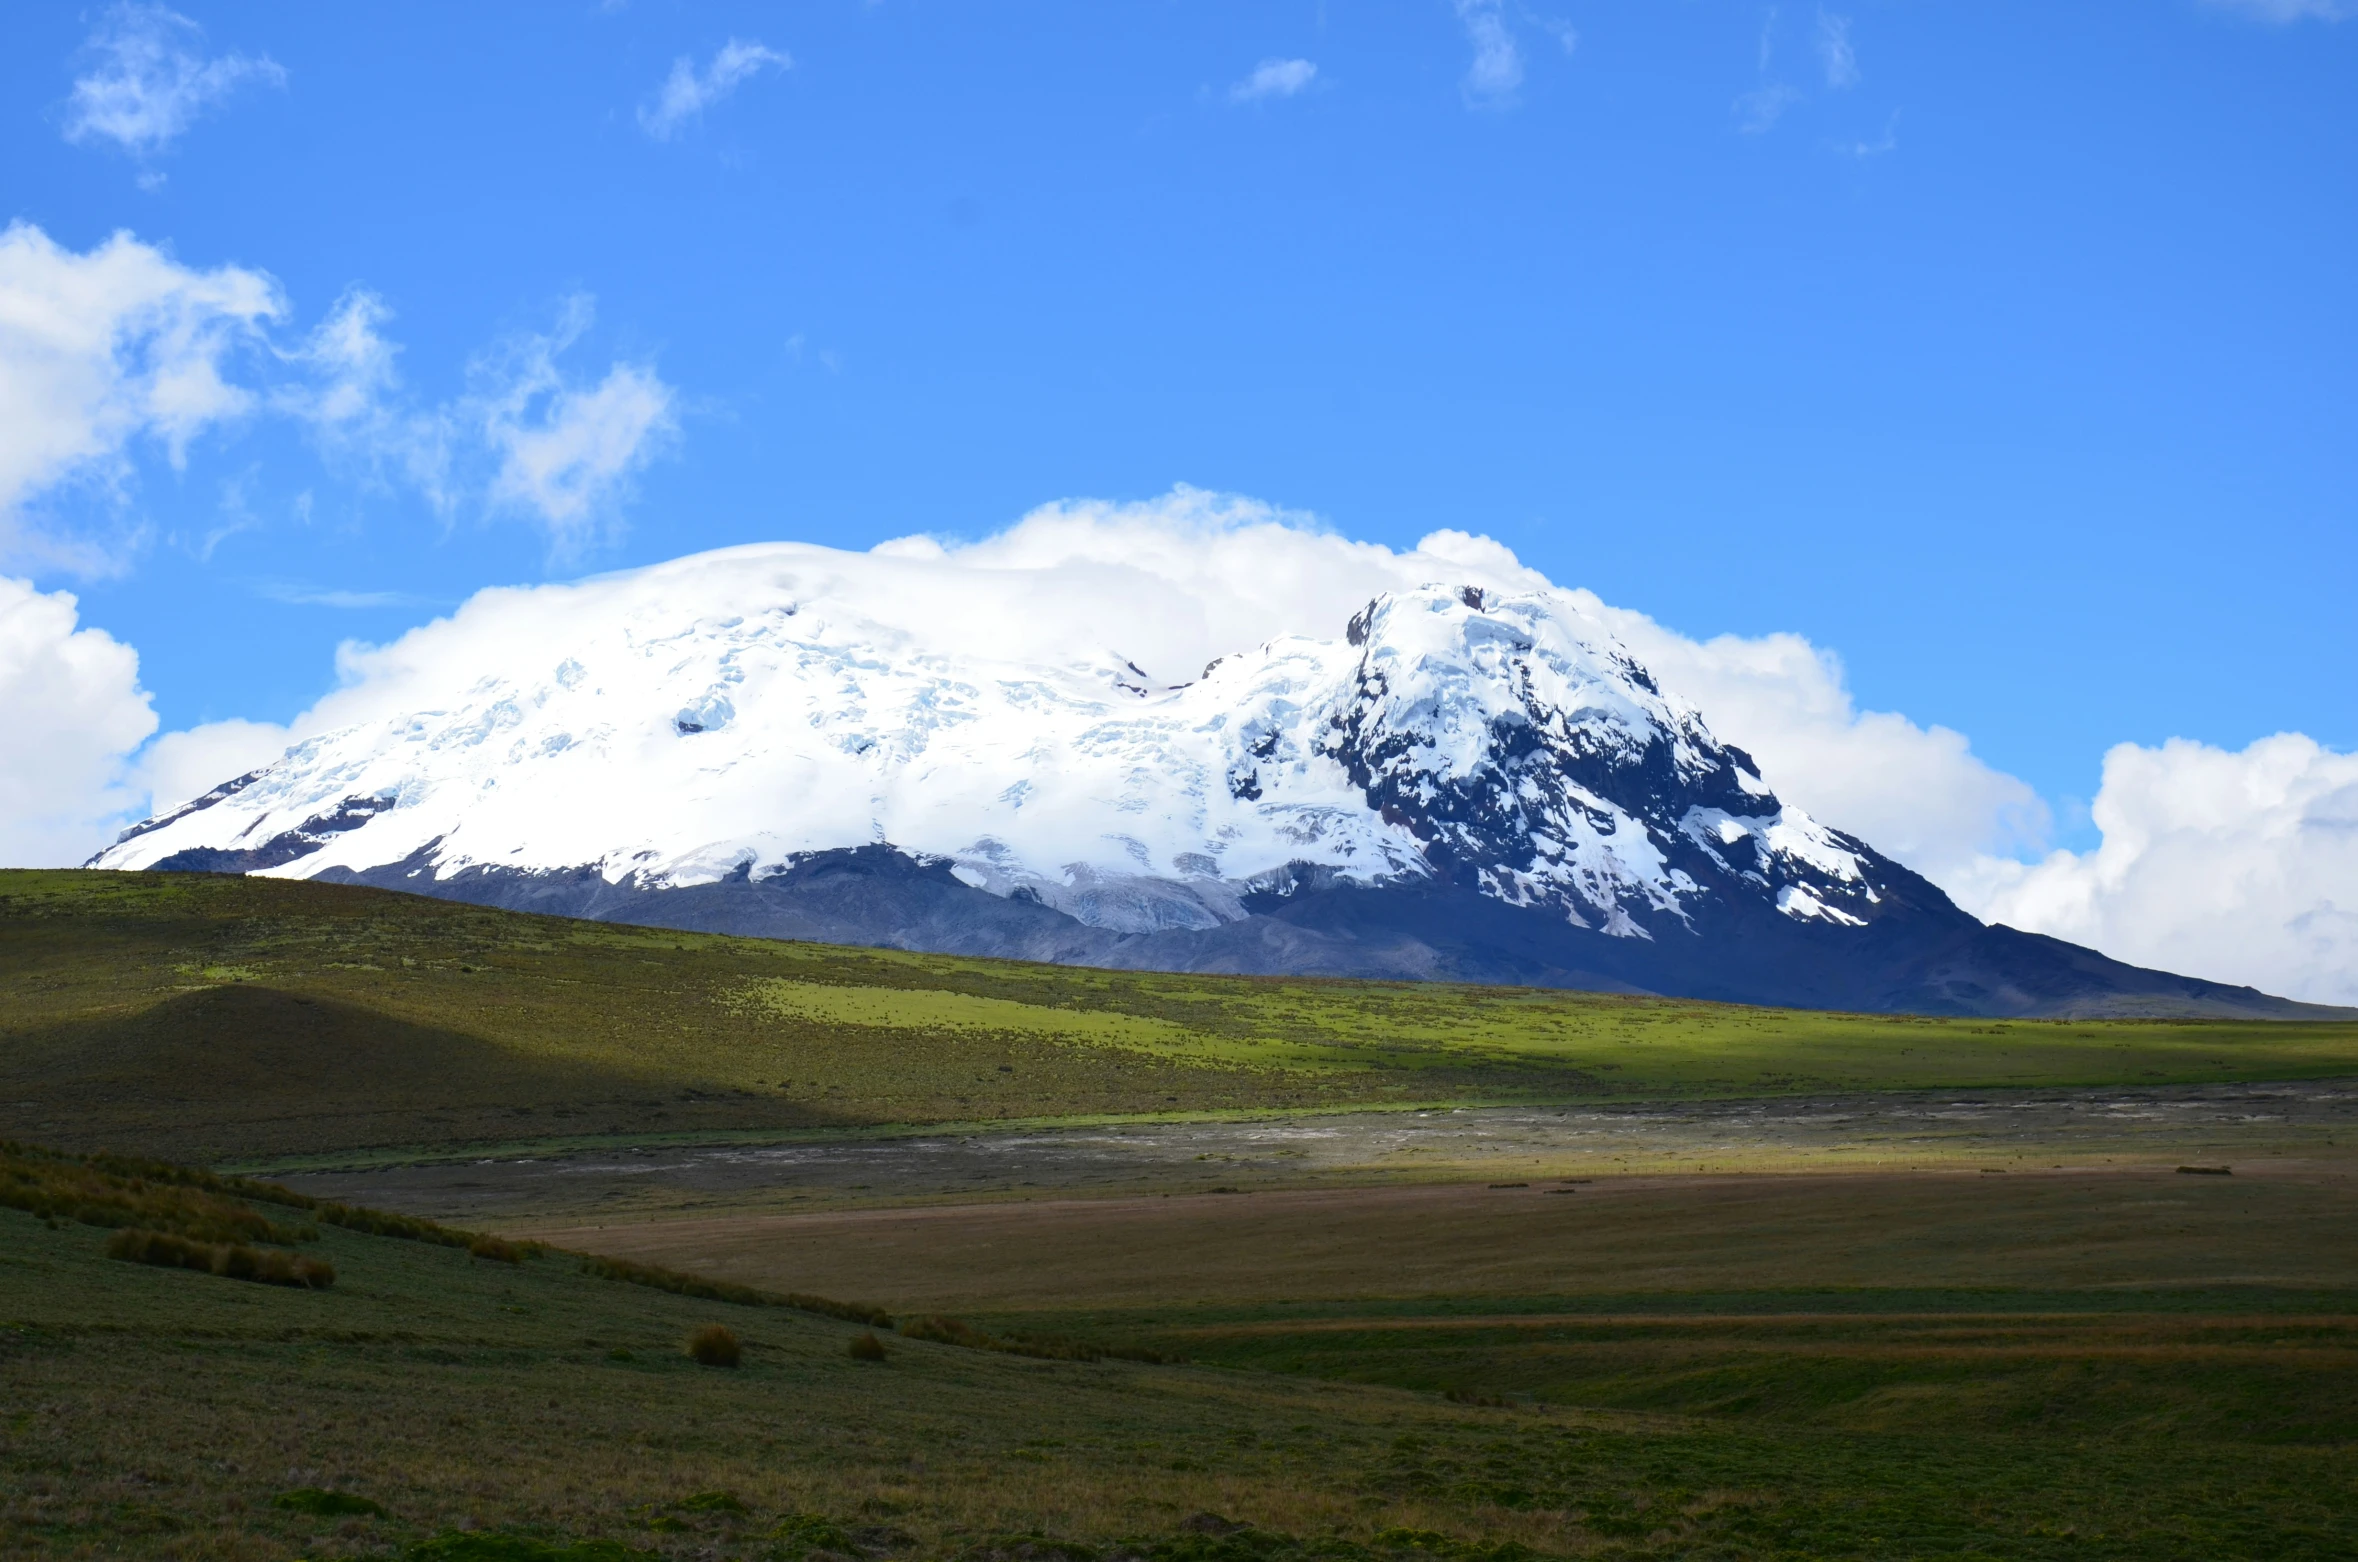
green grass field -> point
(2110, 1361)
(243, 1019)
(486, 1411)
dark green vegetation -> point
(229, 1018)
(439, 1404)
(2107, 1363)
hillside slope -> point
(1462, 782)
(220, 1017)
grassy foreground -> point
(217, 1018)
(434, 1403)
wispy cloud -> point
(1565, 34)
(1274, 79)
(1495, 75)
(525, 437)
(568, 453)
(687, 92)
(2285, 12)
(1886, 142)
(1758, 111)
(1835, 52)
(297, 594)
(150, 79)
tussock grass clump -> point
(865, 1347)
(497, 1249)
(383, 1223)
(681, 1283)
(232, 1260)
(800, 1534)
(119, 1191)
(715, 1345)
(326, 1504)
(490, 1546)
(711, 1502)
(943, 1330)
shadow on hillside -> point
(247, 1070)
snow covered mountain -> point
(1460, 782)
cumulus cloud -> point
(1919, 794)
(150, 79)
(180, 767)
(1835, 53)
(687, 92)
(1274, 79)
(72, 707)
(104, 349)
(1495, 74)
(1173, 582)
(121, 346)
(2240, 867)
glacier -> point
(1463, 779)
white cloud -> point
(101, 350)
(2239, 867)
(1882, 144)
(1758, 111)
(151, 79)
(1918, 794)
(71, 706)
(687, 92)
(1274, 79)
(1495, 74)
(1173, 582)
(1566, 35)
(1835, 53)
(182, 766)
(2285, 12)
(567, 453)
(525, 436)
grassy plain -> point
(2119, 1362)
(2291, 1228)
(164, 1413)
(220, 1018)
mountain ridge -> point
(1468, 782)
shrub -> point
(866, 1347)
(714, 1345)
(272, 1266)
(482, 1546)
(956, 1331)
(160, 1248)
(496, 1249)
(804, 1533)
(326, 1504)
(679, 1283)
(711, 1502)
(106, 1190)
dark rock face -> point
(280, 849)
(1549, 816)
(1920, 954)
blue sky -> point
(2008, 351)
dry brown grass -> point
(715, 1345)
(2293, 1225)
